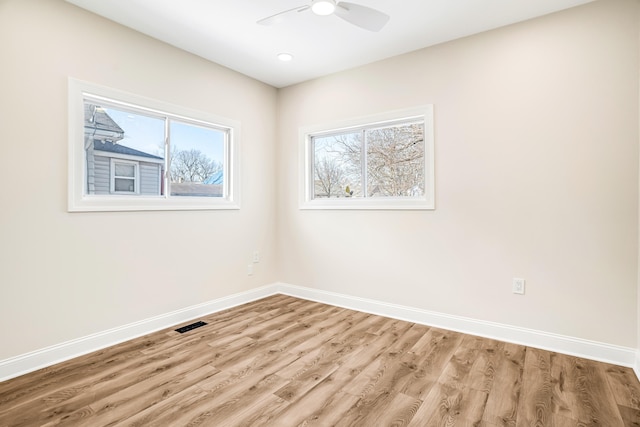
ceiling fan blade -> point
(280, 17)
(362, 16)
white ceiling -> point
(226, 32)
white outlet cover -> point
(518, 286)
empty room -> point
(265, 213)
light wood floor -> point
(283, 361)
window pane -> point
(197, 160)
(125, 170)
(117, 133)
(124, 185)
(337, 165)
(395, 161)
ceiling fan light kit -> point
(323, 7)
(361, 16)
(285, 57)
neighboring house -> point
(196, 189)
(112, 168)
(210, 187)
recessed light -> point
(323, 7)
(285, 57)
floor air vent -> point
(187, 328)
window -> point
(124, 177)
(132, 153)
(381, 162)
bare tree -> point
(395, 161)
(192, 166)
(337, 166)
(394, 157)
(330, 178)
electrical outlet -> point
(250, 270)
(256, 257)
(518, 286)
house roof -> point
(102, 125)
(111, 147)
(196, 189)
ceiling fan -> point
(358, 15)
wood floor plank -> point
(311, 407)
(562, 378)
(323, 408)
(452, 401)
(589, 398)
(399, 412)
(169, 411)
(69, 396)
(216, 399)
(451, 406)
(376, 391)
(381, 409)
(146, 394)
(483, 370)
(428, 357)
(276, 343)
(390, 335)
(502, 404)
(384, 374)
(535, 405)
(283, 361)
(256, 413)
(457, 372)
(50, 380)
(624, 385)
(108, 387)
(306, 378)
(630, 416)
(331, 330)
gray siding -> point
(149, 178)
(102, 175)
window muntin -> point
(183, 159)
(384, 162)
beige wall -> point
(536, 140)
(63, 275)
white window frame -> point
(113, 176)
(80, 201)
(306, 171)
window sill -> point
(388, 203)
(137, 203)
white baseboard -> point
(603, 352)
(29, 362)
